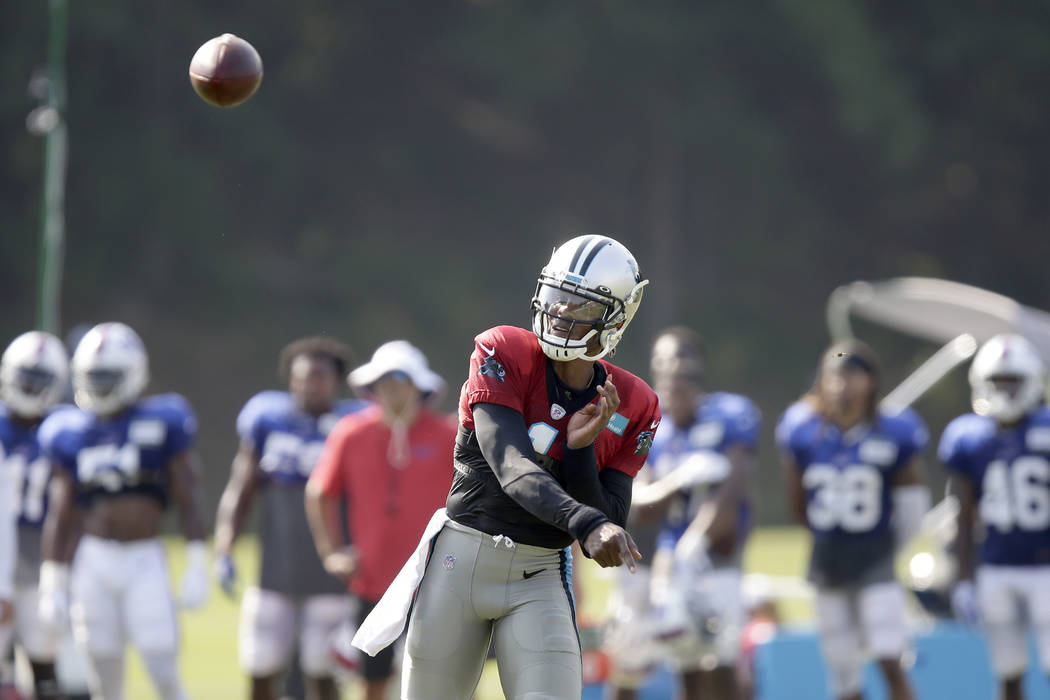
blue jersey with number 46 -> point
(1010, 472)
(288, 441)
(126, 453)
(848, 475)
(26, 467)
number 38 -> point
(849, 498)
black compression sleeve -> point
(608, 490)
(506, 446)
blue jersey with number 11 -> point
(1010, 472)
(26, 468)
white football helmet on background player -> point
(110, 368)
(589, 291)
(33, 373)
(1008, 378)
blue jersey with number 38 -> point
(848, 475)
(126, 453)
(1010, 472)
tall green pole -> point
(56, 143)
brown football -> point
(226, 70)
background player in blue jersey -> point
(118, 459)
(698, 471)
(34, 371)
(282, 434)
(853, 480)
(999, 461)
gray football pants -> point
(475, 589)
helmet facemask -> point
(585, 298)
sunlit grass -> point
(209, 663)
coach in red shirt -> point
(392, 465)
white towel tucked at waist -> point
(387, 619)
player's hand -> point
(587, 424)
(611, 545)
(964, 602)
(193, 591)
(225, 573)
(7, 611)
(342, 563)
(52, 609)
(53, 595)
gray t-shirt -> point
(27, 568)
(289, 563)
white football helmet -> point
(590, 289)
(1008, 378)
(33, 373)
(110, 368)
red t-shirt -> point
(388, 506)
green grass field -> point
(209, 636)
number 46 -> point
(1017, 495)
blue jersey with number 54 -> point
(848, 475)
(1010, 472)
(287, 441)
(126, 453)
(723, 421)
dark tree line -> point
(405, 169)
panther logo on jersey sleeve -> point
(490, 366)
(645, 441)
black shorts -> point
(380, 666)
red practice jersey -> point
(508, 368)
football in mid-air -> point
(226, 70)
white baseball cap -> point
(397, 356)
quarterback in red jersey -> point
(550, 438)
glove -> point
(194, 585)
(53, 598)
(226, 574)
(964, 603)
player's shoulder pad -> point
(509, 338)
(964, 435)
(62, 424)
(735, 408)
(173, 409)
(798, 420)
(262, 405)
(170, 406)
(625, 379)
(905, 426)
